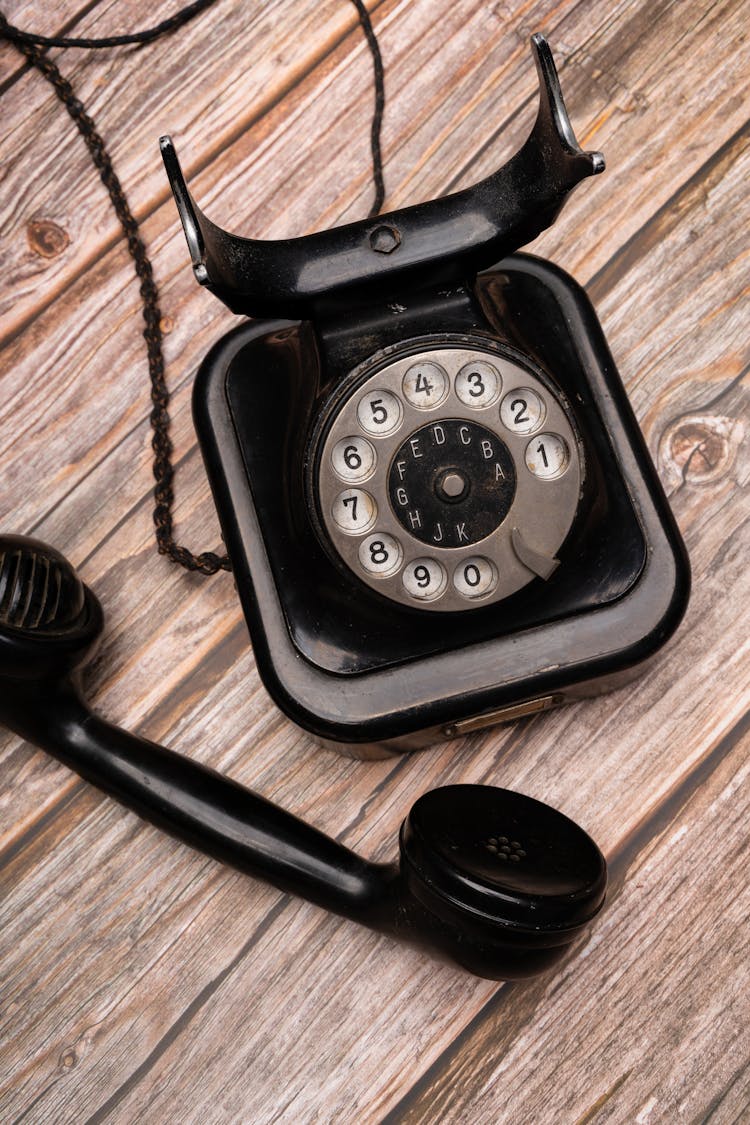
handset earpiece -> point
(510, 881)
(493, 880)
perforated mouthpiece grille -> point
(39, 590)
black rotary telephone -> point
(440, 514)
(438, 506)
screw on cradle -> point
(384, 239)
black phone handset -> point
(495, 881)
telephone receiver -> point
(495, 881)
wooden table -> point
(144, 982)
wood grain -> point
(263, 52)
(632, 1034)
(142, 981)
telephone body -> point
(438, 505)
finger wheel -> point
(448, 479)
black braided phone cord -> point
(30, 45)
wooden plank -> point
(150, 883)
(58, 220)
(99, 294)
(30, 16)
(99, 486)
(140, 976)
(221, 981)
(483, 78)
(671, 1040)
(118, 405)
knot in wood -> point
(702, 447)
(46, 238)
(68, 1058)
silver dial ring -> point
(408, 467)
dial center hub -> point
(451, 483)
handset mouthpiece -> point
(39, 589)
(50, 622)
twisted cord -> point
(16, 35)
(30, 45)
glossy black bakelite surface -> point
(505, 856)
(272, 389)
(440, 242)
(343, 660)
(38, 588)
(506, 881)
(331, 651)
(49, 621)
(446, 896)
(495, 881)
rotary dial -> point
(449, 479)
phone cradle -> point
(438, 505)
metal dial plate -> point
(448, 479)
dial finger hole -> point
(475, 577)
(547, 456)
(353, 459)
(424, 579)
(354, 511)
(478, 384)
(425, 385)
(379, 413)
(522, 411)
(380, 554)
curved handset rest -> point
(443, 241)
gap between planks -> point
(178, 387)
(606, 279)
(429, 1099)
